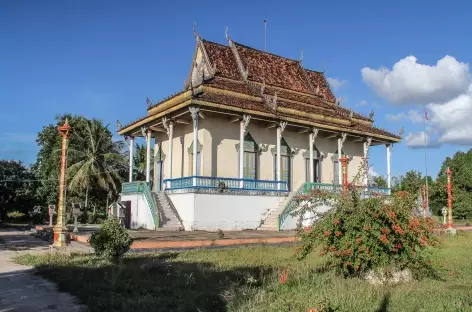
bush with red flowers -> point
(358, 235)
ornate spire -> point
(195, 34)
(371, 115)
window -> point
(250, 158)
(285, 163)
(316, 170)
(336, 173)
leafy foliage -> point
(112, 241)
(140, 162)
(379, 181)
(359, 235)
(17, 188)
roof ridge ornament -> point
(371, 115)
(119, 125)
(148, 102)
(244, 71)
(195, 34)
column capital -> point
(315, 132)
(167, 124)
(194, 112)
(245, 122)
(281, 127)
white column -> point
(194, 111)
(340, 172)
(280, 130)
(148, 155)
(310, 142)
(242, 131)
(170, 134)
(388, 167)
(366, 165)
(131, 158)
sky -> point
(102, 59)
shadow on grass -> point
(153, 283)
(384, 304)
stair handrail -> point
(143, 188)
(288, 206)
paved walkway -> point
(20, 289)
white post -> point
(194, 111)
(388, 168)
(280, 130)
(366, 165)
(148, 155)
(310, 141)
(131, 158)
(170, 134)
(279, 135)
(242, 131)
(340, 147)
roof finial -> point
(402, 131)
(301, 56)
(148, 102)
(371, 115)
(195, 34)
(226, 33)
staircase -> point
(270, 223)
(168, 216)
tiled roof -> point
(319, 80)
(223, 59)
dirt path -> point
(20, 289)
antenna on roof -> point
(265, 35)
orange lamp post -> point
(450, 223)
(60, 230)
(344, 160)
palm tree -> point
(140, 162)
(97, 160)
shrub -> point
(112, 241)
(15, 215)
(358, 235)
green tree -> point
(96, 161)
(410, 182)
(47, 165)
(17, 188)
(140, 162)
(379, 181)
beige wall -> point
(219, 156)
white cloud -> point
(416, 139)
(409, 82)
(395, 117)
(336, 83)
(363, 103)
(452, 120)
(372, 172)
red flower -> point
(332, 248)
(348, 264)
(385, 230)
(358, 240)
(337, 233)
(283, 277)
(399, 246)
(384, 239)
(327, 233)
(336, 221)
(398, 229)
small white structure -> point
(249, 131)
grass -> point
(247, 279)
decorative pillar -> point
(60, 230)
(242, 131)
(280, 130)
(344, 161)
(311, 142)
(450, 223)
(194, 111)
(367, 143)
(388, 168)
(148, 155)
(341, 140)
(131, 158)
(169, 126)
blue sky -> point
(103, 58)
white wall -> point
(226, 212)
(184, 204)
(141, 215)
(291, 222)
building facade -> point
(248, 132)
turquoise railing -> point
(289, 206)
(228, 183)
(292, 202)
(142, 188)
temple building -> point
(248, 132)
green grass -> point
(247, 279)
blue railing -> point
(226, 183)
(145, 189)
